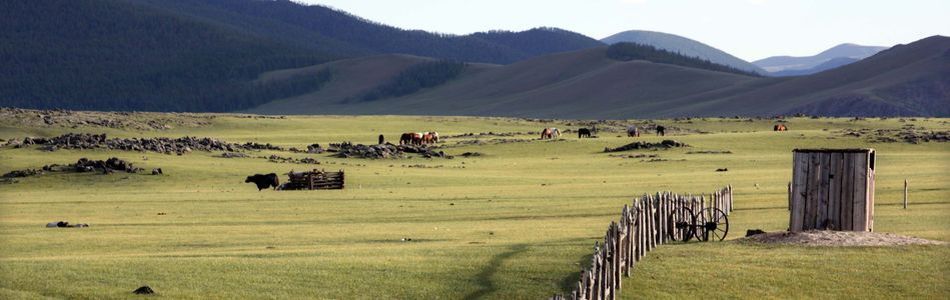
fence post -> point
(905, 193)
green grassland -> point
(518, 222)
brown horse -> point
(550, 133)
(427, 138)
(780, 127)
(416, 138)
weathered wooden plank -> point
(824, 185)
(860, 221)
(834, 191)
(847, 193)
(799, 185)
(870, 193)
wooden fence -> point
(315, 180)
(643, 225)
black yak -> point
(264, 181)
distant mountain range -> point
(682, 45)
(907, 80)
(280, 57)
(835, 57)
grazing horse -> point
(406, 138)
(416, 138)
(660, 130)
(780, 127)
(550, 133)
(427, 138)
(633, 131)
(583, 132)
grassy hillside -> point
(907, 80)
(577, 84)
(904, 80)
(517, 222)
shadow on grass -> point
(484, 277)
(570, 282)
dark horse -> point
(583, 132)
(407, 138)
(660, 130)
(264, 181)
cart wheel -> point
(680, 224)
(714, 225)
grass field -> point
(518, 222)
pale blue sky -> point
(749, 29)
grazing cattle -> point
(780, 127)
(660, 130)
(264, 181)
(550, 133)
(633, 131)
(406, 138)
(583, 132)
(435, 136)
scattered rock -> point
(710, 152)
(281, 159)
(234, 155)
(387, 150)
(144, 290)
(161, 144)
(665, 144)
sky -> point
(749, 29)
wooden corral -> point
(315, 180)
(832, 189)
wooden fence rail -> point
(643, 225)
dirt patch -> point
(839, 238)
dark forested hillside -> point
(630, 51)
(113, 55)
(351, 35)
(203, 55)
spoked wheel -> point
(680, 224)
(714, 225)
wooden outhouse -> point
(832, 189)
